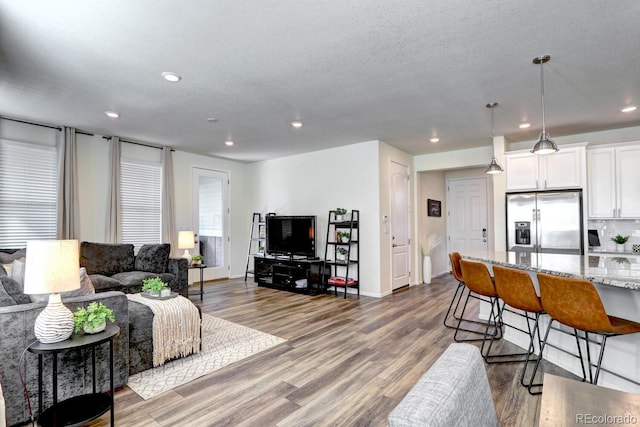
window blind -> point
(141, 202)
(28, 193)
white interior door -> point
(211, 221)
(399, 219)
(467, 215)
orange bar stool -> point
(576, 303)
(516, 289)
(456, 271)
(480, 284)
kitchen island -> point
(617, 280)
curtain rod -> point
(138, 143)
(58, 128)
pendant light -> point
(545, 145)
(494, 167)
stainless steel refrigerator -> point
(545, 222)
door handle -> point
(484, 232)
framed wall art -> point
(434, 207)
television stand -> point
(289, 273)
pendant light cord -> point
(544, 132)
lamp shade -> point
(52, 266)
(186, 240)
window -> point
(141, 202)
(28, 193)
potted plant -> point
(620, 240)
(343, 236)
(93, 318)
(428, 245)
(341, 254)
(197, 259)
(154, 286)
(340, 212)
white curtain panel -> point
(114, 225)
(169, 233)
(67, 217)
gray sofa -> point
(114, 267)
(16, 333)
(115, 271)
(454, 392)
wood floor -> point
(346, 362)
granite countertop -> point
(607, 269)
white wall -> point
(240, 218)
(432, 186)
(317, 182)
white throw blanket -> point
(176, 327)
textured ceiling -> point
(351, 71)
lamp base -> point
(187, 255)
(55, 322)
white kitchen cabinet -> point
(534, 172)
(614, 182)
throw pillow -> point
(14, 289)
(17, 271)
(7, 256)
(86, 287)
(5, 298)
(4, 271)
(153, 258)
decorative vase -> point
(165, 292)
(153, 293)
(426, 269)
(344, 239)
(620, 247)
(88, 329)
(196, 263)
(339, 217)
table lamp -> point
(186, 241)
(52, 266)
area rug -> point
(223, 343)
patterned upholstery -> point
(454, 392)
(106, 259)
(153, 258)
(113, 267)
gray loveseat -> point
(115, 270)
(16, 333)
(114, 267)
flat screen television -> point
(291, 235)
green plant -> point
(340, 211)
(620, 239)
(197, 258)
(94, 315)
(343, 234)
(153, 284)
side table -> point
(76, 410)
(201, 267)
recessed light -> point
(112, 114)
(434, 140)
(296, 124)
(228, 143)
(629, 108)
(171, 77)
(524, 125)
(212, 119)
